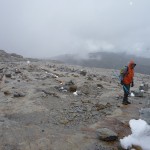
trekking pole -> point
(117, 76)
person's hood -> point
(131, 63)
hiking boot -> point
(125, 103)
(128, 102)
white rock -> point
(132, 94)
(75, 93)
(28, 62)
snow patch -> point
(140, 135)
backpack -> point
(123, 72)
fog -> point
(47, 28)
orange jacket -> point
(130, 74)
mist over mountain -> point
(108, 60)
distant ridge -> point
(13, 57)
(6, 57)
(108, 60)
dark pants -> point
(126, 89)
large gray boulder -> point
(106, 134)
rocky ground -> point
(53, 106)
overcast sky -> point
(46, 28)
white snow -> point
(28, 62)
(140, 135)
(132, 94)
(75, 93)
(56, 76)
(62, 88)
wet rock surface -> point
(45, 103)
(145, 114)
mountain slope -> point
(108, 61)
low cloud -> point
(47, 28)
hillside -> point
(13, 57)
(40, 111)
(6, 57)
(108, 61)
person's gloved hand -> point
(132, 84)
(121, 82)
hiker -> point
(126, 79)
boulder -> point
(135, 147)
(7, 90)
(101, 106)
(143, 87)
(100, 86)
(83, 72)
(106, 134)
(73, 88)
(17, 71)
(138, 93)
(1, 70)
(19, 94)
(85, 89)
(8, 74)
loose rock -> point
(106, 134)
